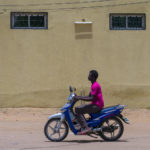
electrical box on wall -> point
(83, 29)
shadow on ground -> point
(88, 141)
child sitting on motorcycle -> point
(97, 102)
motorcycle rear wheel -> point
(112, 129)
(54, 134)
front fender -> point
(58, 115)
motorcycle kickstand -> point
(92, 136)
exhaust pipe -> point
(97, 129)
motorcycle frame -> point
(94, 121)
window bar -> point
(29, 21)
(127, 22)
(143, 22)
(45, 18)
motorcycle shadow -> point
(91, 141)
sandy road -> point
(22, 129)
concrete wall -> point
(37, 66)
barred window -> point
(26, 20)
(127, 22)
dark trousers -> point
(85, 109)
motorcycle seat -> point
(104, 110)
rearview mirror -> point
(70, 88)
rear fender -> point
(123, 119)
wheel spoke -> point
(112, 134)
(107, 122)
(52, 134)
(51, 127)
(59, 133)
(62, 127)
(114, 124)
(56, 124)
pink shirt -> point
(97, 92)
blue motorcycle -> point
(107, 123)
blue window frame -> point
(127, 22)
(27, 20)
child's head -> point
(93, 75)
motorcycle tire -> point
(108, 128)
(55, 136)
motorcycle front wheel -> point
(53, 133)
(112, 129)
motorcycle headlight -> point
(71, 96)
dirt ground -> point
(22, 129)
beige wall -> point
(37, 66)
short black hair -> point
(94, 74)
